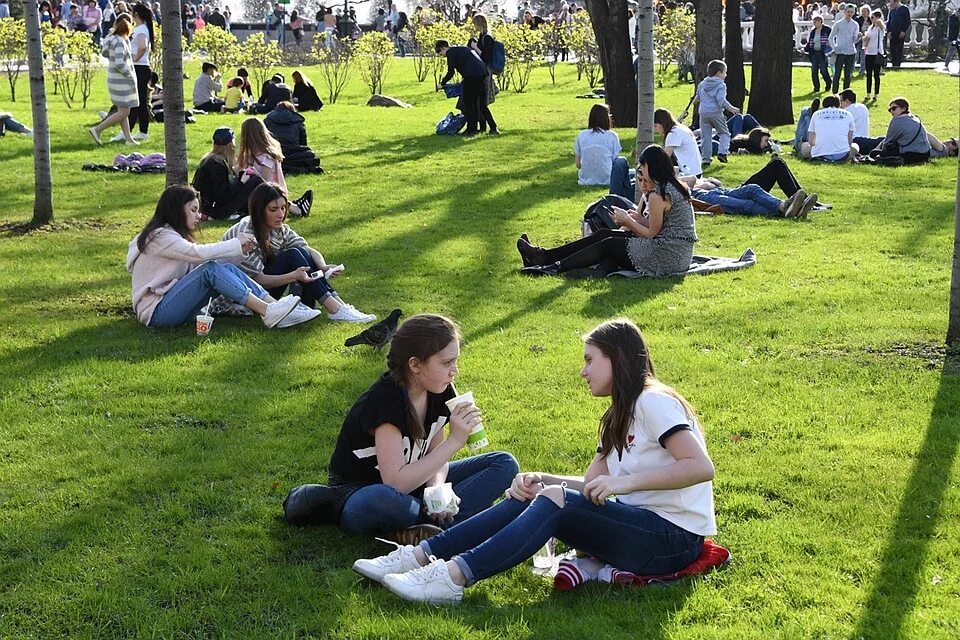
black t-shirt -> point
(354, 458)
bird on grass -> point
(379, 335)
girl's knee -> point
(555, 493)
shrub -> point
(673, 40)
(259, 57)
(221, 48)
(334, 64)
(524, 49)
(427, 37)
(554, 40)
(583, 43)
(373, 53)
(13, 51)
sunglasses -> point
(892, 109)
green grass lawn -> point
(143, 471)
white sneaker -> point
(300, 314)
(141, 136)
(349, 313)
(117, 138)
(400, 560)
(431, 584)
(102, 114)
(277, 311)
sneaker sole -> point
(296, 324)
(369, 576)
(411, 598)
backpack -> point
(499, 59)
(451, 124)
(599, 215)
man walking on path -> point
(898, 24)
(953, 37)
(843, 39)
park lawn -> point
(143, 471)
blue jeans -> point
(402, 46)
(7, 122)
(477, 481)
(748, 199)
(861, 59)
(844, 62)
(623, 179)
(629, 538)
(741, 123)
(819, 66)
(290, 260)
(211, 279)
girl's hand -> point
(463, 419)
(525, 486)
(444, 517)
(621, 217)
(302, 274)
(247, 242)
(597, 490)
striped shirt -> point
(121, 79)
(280, 240)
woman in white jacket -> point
(174, 278)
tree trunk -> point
(42, 182)
(645, 88)
(771, 80)
(709, 35)
(733, 55)
(609, 19)
(953, 325)
(174, 128)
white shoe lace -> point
(428, 573)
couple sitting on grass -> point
(174, 278)
(651, 459)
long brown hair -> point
(263, 195)
(420, 337)
(620, 340)
(600, 118)
(254, 140)
(225, 151)
(171, 210)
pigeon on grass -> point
(379, 335)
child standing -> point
(712, 94)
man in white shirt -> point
(831, 134)
(861, 116)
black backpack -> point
(599, 215)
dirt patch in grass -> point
(933, 355)
(17, 229)
(185, 422)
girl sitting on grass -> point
(280, 257)
(260, 152)
(652, 457)
(657, 241)
(173, 277)
(392, 443)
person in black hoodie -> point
(223, 194)
(287, 126)
(473, 72)
(274, 91)
(484, 44)
(305, 94)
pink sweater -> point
(168, 257)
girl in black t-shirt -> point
(392, 443)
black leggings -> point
(873, 74)
(238, 201)
(606, 248)
(775, 173)
(142, 113)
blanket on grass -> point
(574, 572)
(702, 265)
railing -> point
(917, 37)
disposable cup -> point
(204, 324)
(478, 436)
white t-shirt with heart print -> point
(658, 415)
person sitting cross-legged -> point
(830, 134)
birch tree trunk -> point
(174, 128)
(953, 325)
(42, 181)
(645, 85)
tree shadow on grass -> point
(901, 576)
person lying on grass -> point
(748, 199)
(173, 277)
(392, 443)
(657, 241)
(279, 257)
(651, 459)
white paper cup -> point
(204, 324)
(478, 436)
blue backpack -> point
(499, 59)
(451, 124)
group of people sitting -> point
(239, 98)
